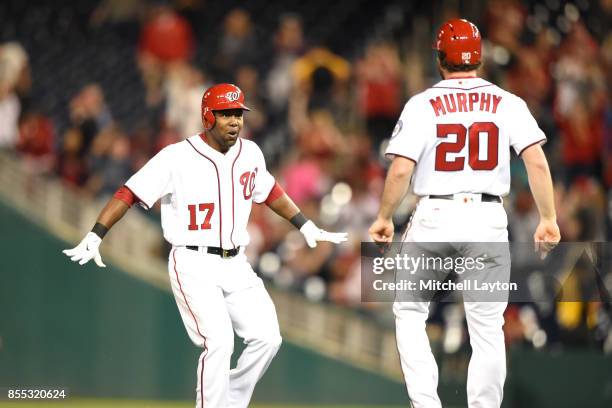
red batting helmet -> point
(220, 97)
(459, 40)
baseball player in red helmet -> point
(452, 146)
(207, 185)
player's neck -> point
(460, 75)
(211, 142)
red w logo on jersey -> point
(247, 179)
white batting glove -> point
(312, 234)
(87, 249)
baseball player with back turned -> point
(454, 141)
(207, 185)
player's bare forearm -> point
(112, 212)
(540, 181)
(284, 206)
(396, 186)
(547, 233)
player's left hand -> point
(312, 234)
(88, 249)
(546, 237)
(382, 230)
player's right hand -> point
(382, 230)
(313, 234)
(88, 249)
(546, 237)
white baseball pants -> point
(216, 296)
(438, 220)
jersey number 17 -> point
(207, 209)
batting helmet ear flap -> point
(208, 119)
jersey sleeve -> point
(152, 181)
(525, 131)
(264, 181)
(408, 138)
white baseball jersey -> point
(206, 196)
(459, 134)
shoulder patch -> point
(397, 129)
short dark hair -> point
(454, 67)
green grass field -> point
(110, 403)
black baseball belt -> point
(223, 253)
(484, 197)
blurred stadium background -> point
(90, 90)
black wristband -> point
(100, 230)
(298, 220)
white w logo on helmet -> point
(232, 96)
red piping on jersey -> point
(405, 157)
(233, 222)
(462, 89)
(205, 352)
(218, 190)
(529, 145)
(185, 298)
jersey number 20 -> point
(207, 209)
(475, 162)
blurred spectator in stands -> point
(167, 135)
(142, 141)
(606, 51)
(89, 115)
(184, 88)
(505, 20)
(379, 82)
(582, 209)
(120, 13)
(15, 85)
(16, 68)
(304, 180)
(581, 132)
(314, 104)
(165, 38)
(35, 143)
(9, 112)
(529, 77)
(70, 165)
(237, 45)
(319, 138)
(247, 79)
(288, 46)
(109, 162)
(321, 78)
(580, 103)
